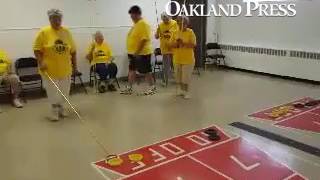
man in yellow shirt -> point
(183, 43)
(164, 32)
(9, 79)
(55, 51)
(139, 51)
(100, 57)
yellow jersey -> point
(101, 53)
(139, 32)
(56, 47)
(165, 31)
(184, 55)
(5, 62)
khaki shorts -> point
(183, 73)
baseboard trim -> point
(273, 75)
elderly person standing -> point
(183, 43)
(164, 32)
(55, 51)
(9, 79)
(100, 57)
(139, 50)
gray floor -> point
(31, 148)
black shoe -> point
(102, 88)
(111, 87)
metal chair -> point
(74, 77)
(4, 89)
(215, 58)
(27, 70)
(158, 65)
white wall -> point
(20, 20)
(301, 32)
(212, 25)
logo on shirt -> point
(167, 34)
(60, 47)
(100, 53)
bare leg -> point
(149, 79)
(13, 81)
(131, 78)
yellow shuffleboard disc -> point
(135, 157)
(114, 160)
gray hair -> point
(54, 13)
(185, 19)
(97, 33)
(165, 15)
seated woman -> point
(100, 58)
(9, 79)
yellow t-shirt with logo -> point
(4, 62)
(165, 31)
(56, 47)
(101, 53)
(140, 31)
(184, 55)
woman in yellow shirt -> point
(55, 51)
(100, 57)
(183, 43)
(164, 32)
(8, 78)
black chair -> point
(94, 79)
(4, 89)
(74, 77)
(214, 58)
(158, 65)
(27, 70)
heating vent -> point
(255, 50)
(272, 52)
(305, 55)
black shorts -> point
(140, 63)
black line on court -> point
(278, 138)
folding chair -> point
(74, 77)
(158, 65)
(4, 90)
(27, 70)
(215, 58)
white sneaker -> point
(186, 95)
(62, 112)
(17, 103)
(179, 92)
(54, 113)
(127, 91)
(150, 91)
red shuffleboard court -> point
(307, 118)
(193, 157)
